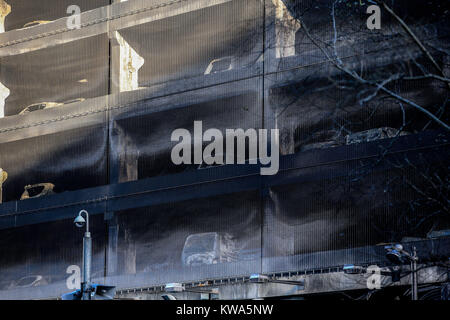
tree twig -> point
(412, 35)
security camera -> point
(79, 221)
(394, 253)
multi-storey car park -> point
(361, 166)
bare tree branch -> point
(415, 38)
(380, 86)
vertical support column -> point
(125, 65)
(3, 177)
(285, 122)
(278, 235)
(287, 139)
(281, 28)
(4, 93)
(112, 250)
(124, 257)
(124, 157)
(286, 27)
(5, 9)
(129, 253)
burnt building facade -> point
(88, 103)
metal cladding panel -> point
(339, 213)
(35, 259)
(216, 237)
(64, 74)
(310, 24)
(141, 136)
(313, 111)
(358, 168)
(222, 38)
(62, 137)
(70, 160)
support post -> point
(414, 275)
(87, 262)
(129, 253)
(4, 93)
(5, 9)
(3, 177)
(125, 65)
(125, 157)
(287, 138)
(112, 254)
(286, 26)
(124, 259)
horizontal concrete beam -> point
(31, 125)
(93, 111)
(102, 20)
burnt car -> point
(220, 65)
(47, 105)
(208, 248)
(28, 281)
(34, 23)
(354, 138)
(37, 190)
(324, 140)
(373, 135)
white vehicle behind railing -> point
(208, 248)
